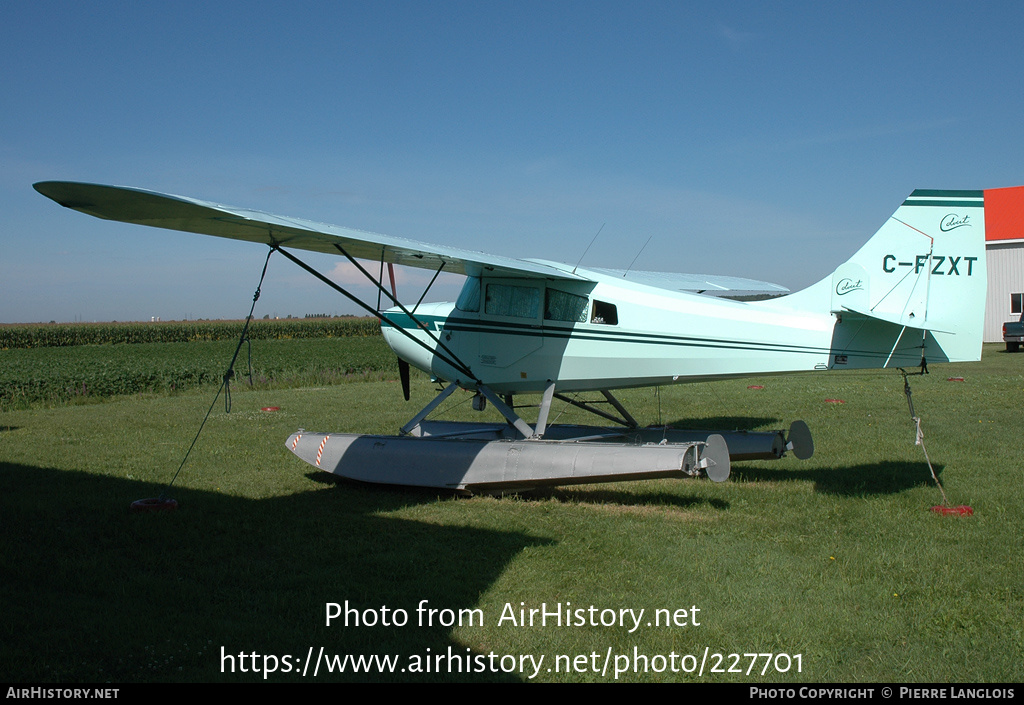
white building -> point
(1004, 250)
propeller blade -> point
(403, 374)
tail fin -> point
(926, 265)
(917, 288)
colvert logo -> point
(847, 285)
(954, 221)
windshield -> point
(469, 297)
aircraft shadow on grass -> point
(728, 423)
(101, 594)
(612, 496)
(881, 478)
(592, 494)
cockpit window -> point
(563, 306)
(469, 297)
(605, 313)
(511, 300)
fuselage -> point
(516, 335)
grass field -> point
(836, 559)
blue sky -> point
(767, 140)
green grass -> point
(837, 558)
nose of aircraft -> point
(395, 341)
(412, 338)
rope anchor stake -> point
(944, 508)
(163, 502)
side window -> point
(1016, 301)
(605, 313)
(510, 300)
(562, 306)
(469, 297)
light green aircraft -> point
(913, 294)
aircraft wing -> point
(707, 284)
(161, 210)
(133, 205)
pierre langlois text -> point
(557, 614)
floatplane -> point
(914, 293)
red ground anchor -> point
(154, 504)
(955, 379)
(835, 401)
(756, 386)
(963, 510)
(270, 408)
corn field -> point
(56, 335)
(47, 368)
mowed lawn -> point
(834, 567)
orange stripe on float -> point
(321, 451)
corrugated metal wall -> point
(1005, 276)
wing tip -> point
(63, 193)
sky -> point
(764, 140)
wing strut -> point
(626, 420)
(380, 276)
(432, 280)
(462, 367)
(458, 365)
